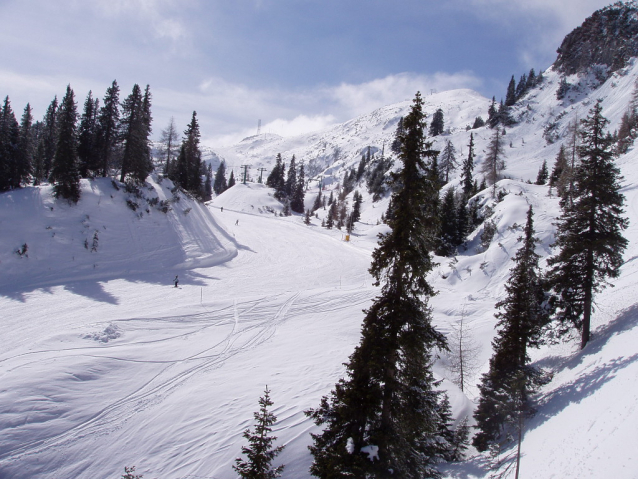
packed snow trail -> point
(167, 378)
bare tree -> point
(170, 143)
(463, 355)
(494, 162)
(447, 161)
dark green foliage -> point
(560, 172)
(291, 180)
(506, 387)
(306, 218)
(64, 172)
(504, 116)
(188, 168)
(626, 131)
(88, 156)
(357, 199)
(437, 125)
(376, 178)
(478, 123)
(510, 96)
(589, 235)
(48, 141)
(299, 191)
(276, 178)
(365, 161)
(543, 174)
(563, 88)
(331, 218)
(398, 135)
(318, 201)
(468, 168)
(387, 404)
(448, 235)
(208, 184)
(259, 452)
(11, 168)
(135, 130)
(108, 123)
(220, 185)
(492, 114)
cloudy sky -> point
(295, 64)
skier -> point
(176, 280)
(222, 209)
(237, 223)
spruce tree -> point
(299, 191)
(260, 451)
(64, 172)
(589, 235)
(510, 97)
(231, 179)
(49, 139)
(220, 185)
(87, 138)
(492, 114)
(437, 126)
(318, 201)
(468, 168)
(291, 179)
(383, 420)
(10, 176)
(543, 174)
(108, 123)
(446, 245)
(557, 178)
(135, 131)
(26, 146)
(506, 387)
(189, 162)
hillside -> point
(106, 364)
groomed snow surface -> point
(105, 364)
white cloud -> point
(356, 99)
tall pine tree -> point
(64, 172)
(589, 230)
(506, 387)
(383, 420)
(108, 122)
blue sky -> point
(297, 65)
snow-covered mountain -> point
(105, 363)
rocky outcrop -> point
(609, 37)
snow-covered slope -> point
(105, 364)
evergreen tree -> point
(448, 160)
(543, 174)
(189, 162)
(108, 123)
(357, 199)
(468, 168)
(135, 131)
(494, 161)
(291, 179)
(449, 225)
(231, 180)
(64, 172)
(521, 88)
(260, 451)
(590, 228)
(276, 178)
(504, 116)
(506, 387)
(26, 146)
(220, 185)
(398, 134)
(299, 191)
(510, 97)
(437, 126)
(10, 175)
(478, 123)
(492, 114)
(318, 201)
(87, 138)
(383, 420)
(208, 183)
(306, 218)
(558, 178)
(49, 139)
(332, 215)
